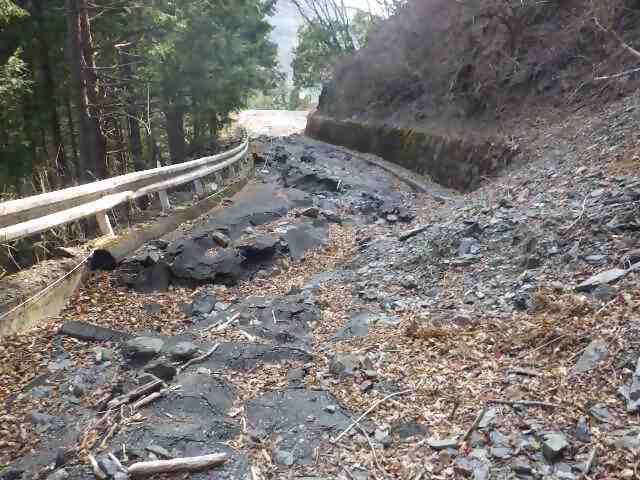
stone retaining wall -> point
(454, 162)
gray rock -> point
(303, 237)
(162, 369)
(296, 374)
(366, 386)
(468, 246)
(409, 281)
(382, 437)
(553, 445)
(583, 431)
(103, 354)
(193, 263)
(39, 418)
(595, 352)
(601, 412)
(159, 451)
(108, 466)
(203, 304)
(502, 453)
(345, 363)
(596, 259)
(631, 392)
(298, 418)
(441, 444)
(88, 332)
(220, 238)
(628, 439)
(283, 457)
(78, 387)
(155, 278)
(488, 418)
(498, 439)
(221, 307)
(153, 308)
(60, 474)
(608, 276)
(41, 392)
(143, 347)
(471, 467)
(358, 324)
(563, 471)
(183, 350)
(409, 430)
(522, 466)
(258, 245)
(10, 473)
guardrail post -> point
(164, 200)
(198, 187)
(104, 223)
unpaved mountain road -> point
(329, 292)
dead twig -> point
(136, 393)
(589, 464)
(199, 359)
(369, 410)
(474, 425)
(524, 403)
(186, 464)
(97, 471)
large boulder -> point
(197, 264)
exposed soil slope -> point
(475, 65)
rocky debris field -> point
(331, 323)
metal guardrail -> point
(28, 216)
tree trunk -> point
(59, 157)
(175, 134)
(92, 144)
(72, 134)
(133, 113)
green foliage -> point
(314, 56)
(205, 57)
(324, 41)
(9, 11)
(201, 58)
(14, 141)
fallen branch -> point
(371, 409)
(148, 399)
(199, 359)
(589, 464)
(115, 460)
(135, 393)
(618, 75)
(412, 233)
(620, 40)
(97, 471)
(474, 425)
(524, 403)
(186, 464)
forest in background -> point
(95, 88)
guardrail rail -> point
(31, 215)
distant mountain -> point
(285, 23)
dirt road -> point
(274, 123)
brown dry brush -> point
(498, 58)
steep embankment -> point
(458, 89)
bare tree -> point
(333, 17)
